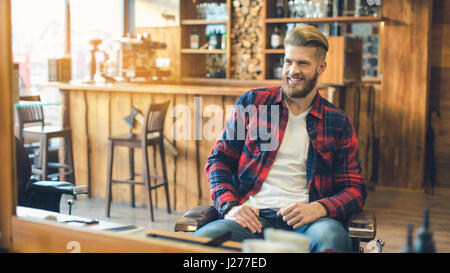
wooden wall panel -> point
(439, 90)
(120, 108)
(192, 179)
(404, 95)
(360, 106)
(78, 119)
(98, 132)
(182, 174)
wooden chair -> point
(152, 135)
(34, 115)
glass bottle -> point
(275, 39)
(279, 9)
(195, 40)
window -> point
(38, 34)
(98, 19)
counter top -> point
(157, 88)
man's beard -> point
(295, 92)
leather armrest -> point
(363, 225)
(58, 186)
(196, 217)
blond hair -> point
(307, 35)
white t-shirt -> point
(286, 182)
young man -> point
(305, 177)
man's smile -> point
(295, 80)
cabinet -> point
(195, 62)
(345, 57)
(205, 64)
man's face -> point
(301, 69)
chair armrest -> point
(363, 225)
(58, 187)
(196, 217)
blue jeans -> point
(324, 233)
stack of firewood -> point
(247, 40)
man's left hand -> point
(299, 214)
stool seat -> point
(48, 129)
(32, 114)
(152, 135)
(135, 140)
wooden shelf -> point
(203, 51)
(195, 22)
(342, 19)
(274, 51)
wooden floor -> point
(394, 211)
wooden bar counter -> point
(97, 111)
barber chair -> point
(40, 194)
(362, 227)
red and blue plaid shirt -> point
(240, 160)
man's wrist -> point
(323, 210)
(226, 207)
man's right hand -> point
(245, 216)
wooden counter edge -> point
(219, 90)
(154, 88)
(47, 237)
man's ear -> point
(321, 67)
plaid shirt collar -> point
(316, 109)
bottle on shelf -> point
(279, 9)
(291, 9)
(213, 41)
(278, 68)
(276, 41)
(335, 29)
(357, 8)
(195, 39)
(328, 8)
(337, 8)
(223, 41)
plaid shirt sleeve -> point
(348, 181)
(224, 158)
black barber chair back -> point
(27, 195)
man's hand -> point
(245, 216)
(298, 214)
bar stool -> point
(152, 135)
(33, 113)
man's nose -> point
(294, 69)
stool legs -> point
(109, 177)
(68, 141)
(146, 175)
(44, 154)
(164, 169)
(131, 161)
(147, 181)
